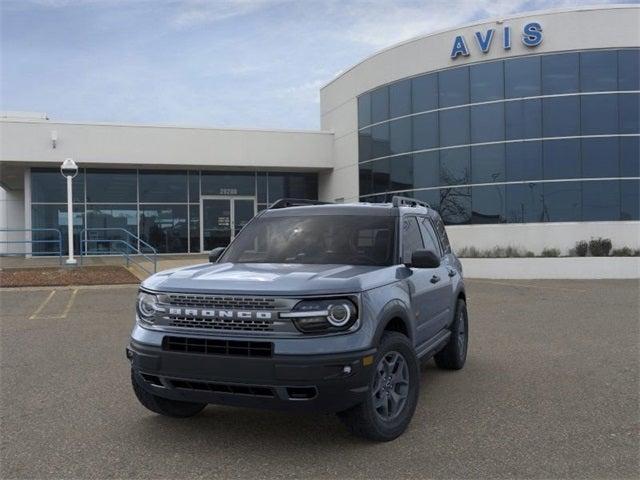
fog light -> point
(346, 369)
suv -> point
(313, 307)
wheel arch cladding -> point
(394, 317)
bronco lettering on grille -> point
(209, 313)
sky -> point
(218, 63)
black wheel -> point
(393, 392)
(164, 406)
(454, 354)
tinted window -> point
(315, 239)
(600, 201)
(562, 201)
(488, 204)
(599, 71)
(163, 186)
(629, 70)
(523, 119)
(411, 238)
(194, 227)
(487, 123)
(487, 81)
(380, 140)
(292, 185)
(600, 157)
(431, 197)
(630, 200)
(364, 110)
(261, 186)
(454, 87)
(455, 205)
(561, 116)
(194, 186)
(400, 98)
(381, 171)
(429, 237)
(366, 179)
(380, 104)
(114, 218)
(454, 127)
(522, 77)
(402, 173)
(48, 185)
(523, 161)
(117, 186)
(599, 114)
(400, 135)
(424, 91)
(454, 166)
(442, 233)
(629, 113)
(365, 145)
(54, 216)
(524, 203)
(487, 164)
(561, 159)
(228, 183)
(560, 73)
(426, 169)
(165, 227)
(425, 131)
(630, 156)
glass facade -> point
(161, 207)
(544, 138)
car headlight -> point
(323, 316)
(147, 305)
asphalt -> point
(550, 390)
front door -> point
(222, 218)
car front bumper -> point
(303, 383)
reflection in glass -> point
(524, 203)
(522, 77)
(380, 105)
(561, 158)
(194, 186)
(600, 201)
(54, 216)
(194, 228)
(165, 227)
(380, 140)
(629, 113)
(425, 131)
(600, 157)
(366, 178)
(561, 116)
(400, 98)
(432, 197)
(630, 200)
(523, 161)
(599, 71)
(400, 135)
(560, 73)
(487, 81)
(523, 119)
(232, 183)
(487, 123)
(454, 127)
(487, 164)
(216, 223)
(364, 110)
(426, 169)
(115, 218)
(112, 186)
(163, 186)
(453, 87)
(629, 69)
(455, 166)
(49, 186)
(599, 114)
(630, 156)
(402, 173)
(381, 174)
(424, 92)
(488, 204)
(365, 145)
(561, 202)
(455, 205)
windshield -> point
(318, 239)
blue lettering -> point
(485, 43)
(459, 47)
(506, 38)
(532, 34)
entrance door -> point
(222, 218)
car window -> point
(429, 236)
(411, 238)
(442, 234)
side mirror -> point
(424, 259)
(215, 254)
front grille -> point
(255, 390)
(222, 302)
(221, 323)
(208, 346)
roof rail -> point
(398, 201)
(295, 202)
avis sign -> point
(531, 37)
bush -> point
(550, 252)
(600, 247)
(625, 252)
(582, 248)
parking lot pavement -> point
(550, 390)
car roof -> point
(373, 209)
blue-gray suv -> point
(312, 308)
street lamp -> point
(69, 169)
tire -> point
(164, 406)
(368, 419)
(454, 355)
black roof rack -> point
(295, 202)
(398, 201)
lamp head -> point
(69, 168)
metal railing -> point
(31, 241)
(131, 247)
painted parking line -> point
(37, 314)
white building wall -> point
(11, 217)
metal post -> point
(70, 260)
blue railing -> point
(131, 247)
(31, 241)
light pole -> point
(69, 169)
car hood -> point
(271, 279)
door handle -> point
(452, 272)
(435, 279)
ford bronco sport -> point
(314, 308)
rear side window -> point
(429, 236)
(411, 238)
(442, 234)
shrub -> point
(550, 252)
(625, 252)
(582, 248)
(600, 247)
